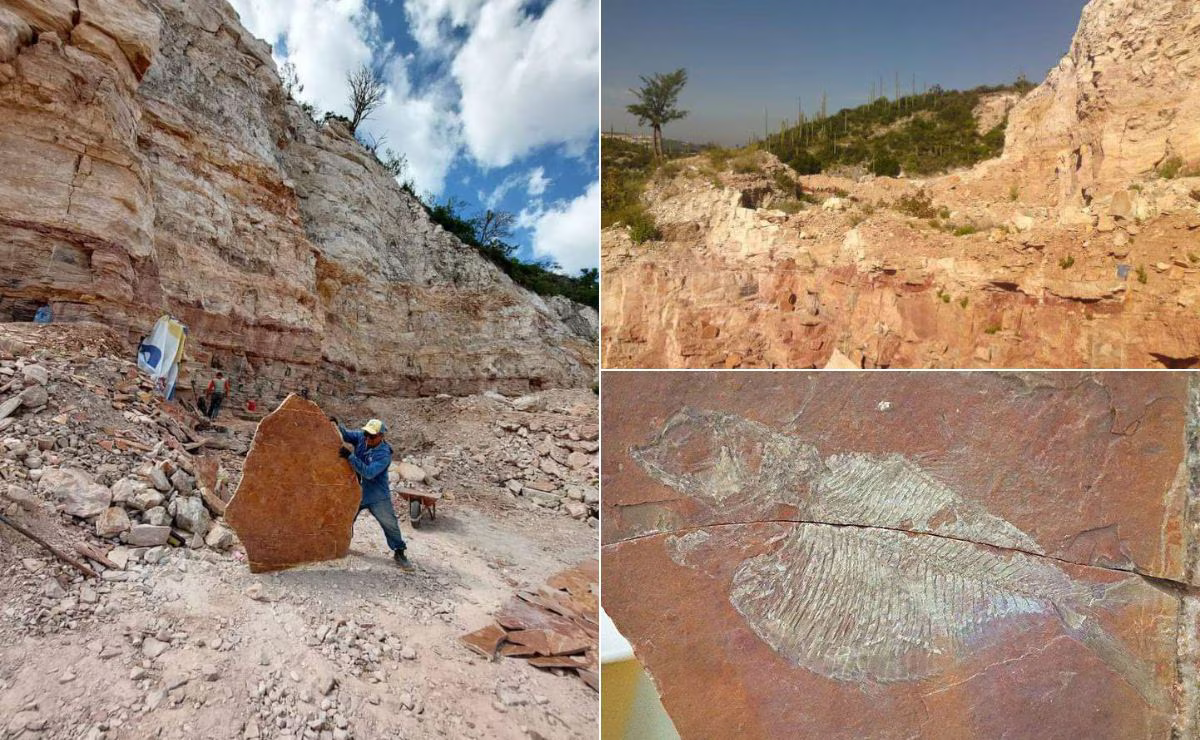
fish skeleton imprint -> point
(871, 570)
(870, 602)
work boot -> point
(401, 560)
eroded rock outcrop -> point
(1122, 102)
(1077, 248)
(152, 163)
(860, 556)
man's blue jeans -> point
(386, 516)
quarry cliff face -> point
(152, 163)
(1076, 248)
(1121, 103)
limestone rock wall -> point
(152, 163)
(1123, 101)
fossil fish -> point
(865, 602)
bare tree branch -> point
(366, 94)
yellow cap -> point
(374, 426)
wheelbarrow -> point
(421, 504)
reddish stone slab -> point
(1082, 467)
(297, 499)
(899, 555)
(485, 641)
(769, 631)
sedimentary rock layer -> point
(153, 163)
(928, 555)
(1077, 248)
(297, 499)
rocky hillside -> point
(1075, 248)
(153, 163)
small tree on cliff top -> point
(366, 94)
(656, 103)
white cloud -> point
(569, 233)
(537, 181)
(326, 40)
(422, 126)
(432, 22)
(528, 83)
(515, 84)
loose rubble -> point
(176, 638)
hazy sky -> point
(743, 56)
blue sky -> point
(492, 101)
(746, 56)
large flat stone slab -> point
(297, 498)
(901, 555)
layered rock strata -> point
(1077, 248)
(917, 555)
(153, 163)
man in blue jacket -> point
(371, 458)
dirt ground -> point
(188, 643)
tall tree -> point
(366, 94)
(656, 103)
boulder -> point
(76, 492)
(144, 499)
(112, 522)
(158, 478)
(34, 396)
(35, 374)
(219, 537)
(182, 482)
(576, 509)
(410, 472)
(191, 515)
(157, 516)
(147, 535)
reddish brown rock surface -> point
(1076, 249)
(297, 499)
(855, 555)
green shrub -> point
(1067, 262)
(747, 164)
(785, 184)
(920, 134)
(719, 158)
(1171, 167)
(1193, 257)
(992, 329)
(966, 230)
(1014, 192)
(919, 205)
(804, 163)
(964, 302)
(642, 227)
(1143, 278)
(670, 169)
(886, 166)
